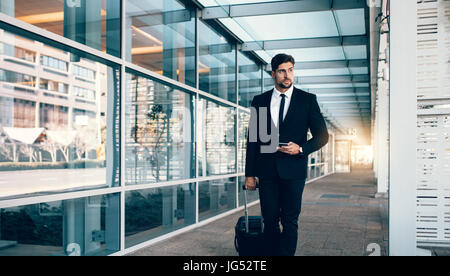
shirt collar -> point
(287, 93)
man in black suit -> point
(277, 153)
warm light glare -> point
(147, 35)
(147, 50)
(362, 155)
(47, 17)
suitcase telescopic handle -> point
(245, 207)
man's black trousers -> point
(281, 199)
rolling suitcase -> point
(249, 231)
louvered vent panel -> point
(433, 122)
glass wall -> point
(216, 138)
(268, 81)
(249, 79)
(55, 113)
(88, 226)
(244, 119)
(95, 23)
(160, 36)
(159, 132)
(153, 212)
(216, 197)
(97, 153)
(217, 63)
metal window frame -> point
(268, 8)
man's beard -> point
(281, 84)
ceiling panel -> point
(351, 22)
(328, 45)
(280, 26)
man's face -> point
(284, 75)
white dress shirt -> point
(276, 101)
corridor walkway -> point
(340, 217)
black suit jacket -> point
(303, 114)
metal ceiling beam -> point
(330, 106)
(346, 109)
(343, 98)
(335, 64)
(318, 91)
(323, 95)
(350, 101)
(332, 79)
(280, 7)
(301, 43)
(365, 111)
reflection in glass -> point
(95, 23)
(75, 227)
(153, 212)
(216, 140)
(217, 73)
(244, 119)
(249, 79)
(159, 132)
(216, 197)
(268, 81)
(53, 119)
(161, 37)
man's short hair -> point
(279, 59)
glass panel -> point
(217, 73)
(332, 85)
(249, 79)
(216, 197)
(312, 54)
(154, 212)
(216, 139)
(76, 227)
(236, 29)
(322, 72)
(355, 52)
(161, 37)
(244, 119)
(95, 23)
(359, 70)
(347, 19)
(268, 81)
(209, 3)
(53, 120)
(280, 26)
(159, 132)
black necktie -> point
(280, 114)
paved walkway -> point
(340, 217)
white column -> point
(382, 124)
(402, 127)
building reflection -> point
(53, 109)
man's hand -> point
(292, 149)
(250, 183)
